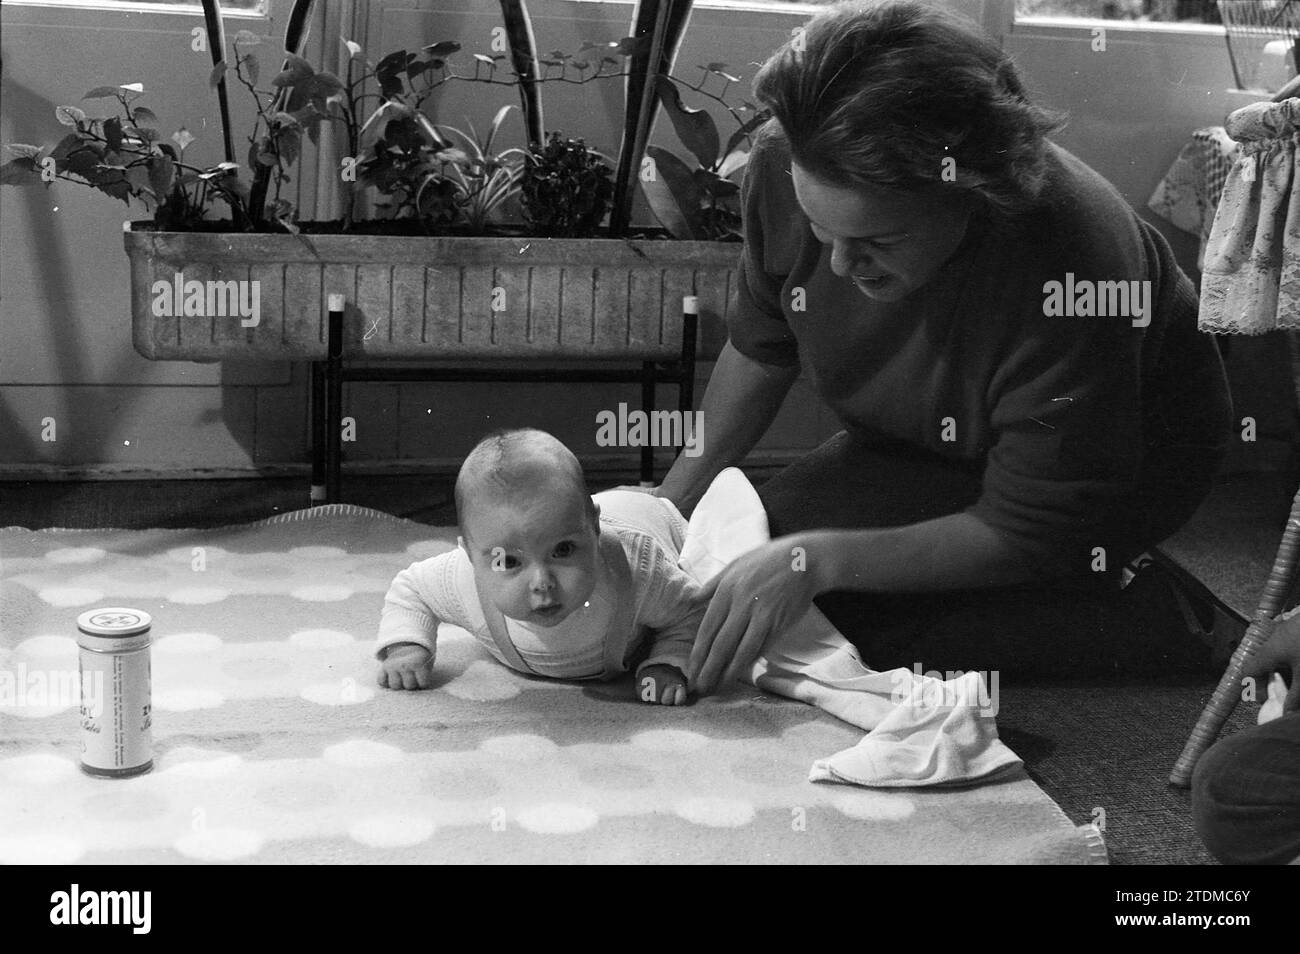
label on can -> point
(116, 710)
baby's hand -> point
(406, 666)
(661, 683)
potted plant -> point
(436, 269)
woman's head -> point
(910, 97)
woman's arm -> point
(772, 587)
(958, 551)
(740, 403)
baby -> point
(551, 581)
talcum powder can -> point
(116, 713)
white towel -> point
(921, 730)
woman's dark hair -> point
(881, 92)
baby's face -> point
(535, 558)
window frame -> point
(263, 11)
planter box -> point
(429, 298)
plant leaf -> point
(138, 177)
(101, 92)
(297, 65)
(20, 171)
(21, 149)
(739, 135)
(296, 69)
(734, 161)
(113, 133)
(162, 173)
(69, 115)
(496, 125)
(484, 58)
(672, 193)
(713, 185)
(64, 148)
(254, 68)
(694, 127)
(218, 72)
(115, 184)
(442, 48)
(182, 138)
(354, 48)
(145, 134)
(289, 142)
(323, 85)
(388, 71)
(247, 38)
(145, 117)
(720, 70)
(84, 160)
(132, 87)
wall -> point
(1131, 109)
(63, 287)
(63, 284)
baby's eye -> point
(566, 549)
(502, 561)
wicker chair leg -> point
(1225, 697)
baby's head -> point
(528, 525)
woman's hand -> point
(763, 592)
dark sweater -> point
(1067, 416)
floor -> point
(1103, 752)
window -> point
(1151, 11)
(230, 7)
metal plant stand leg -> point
(334, 401)
(317, 432)
(647, 405)
(690, 330)
(1228, 692)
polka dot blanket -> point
(272, 743)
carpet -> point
(273, 745)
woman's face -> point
(888, 243)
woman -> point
(917, 246)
